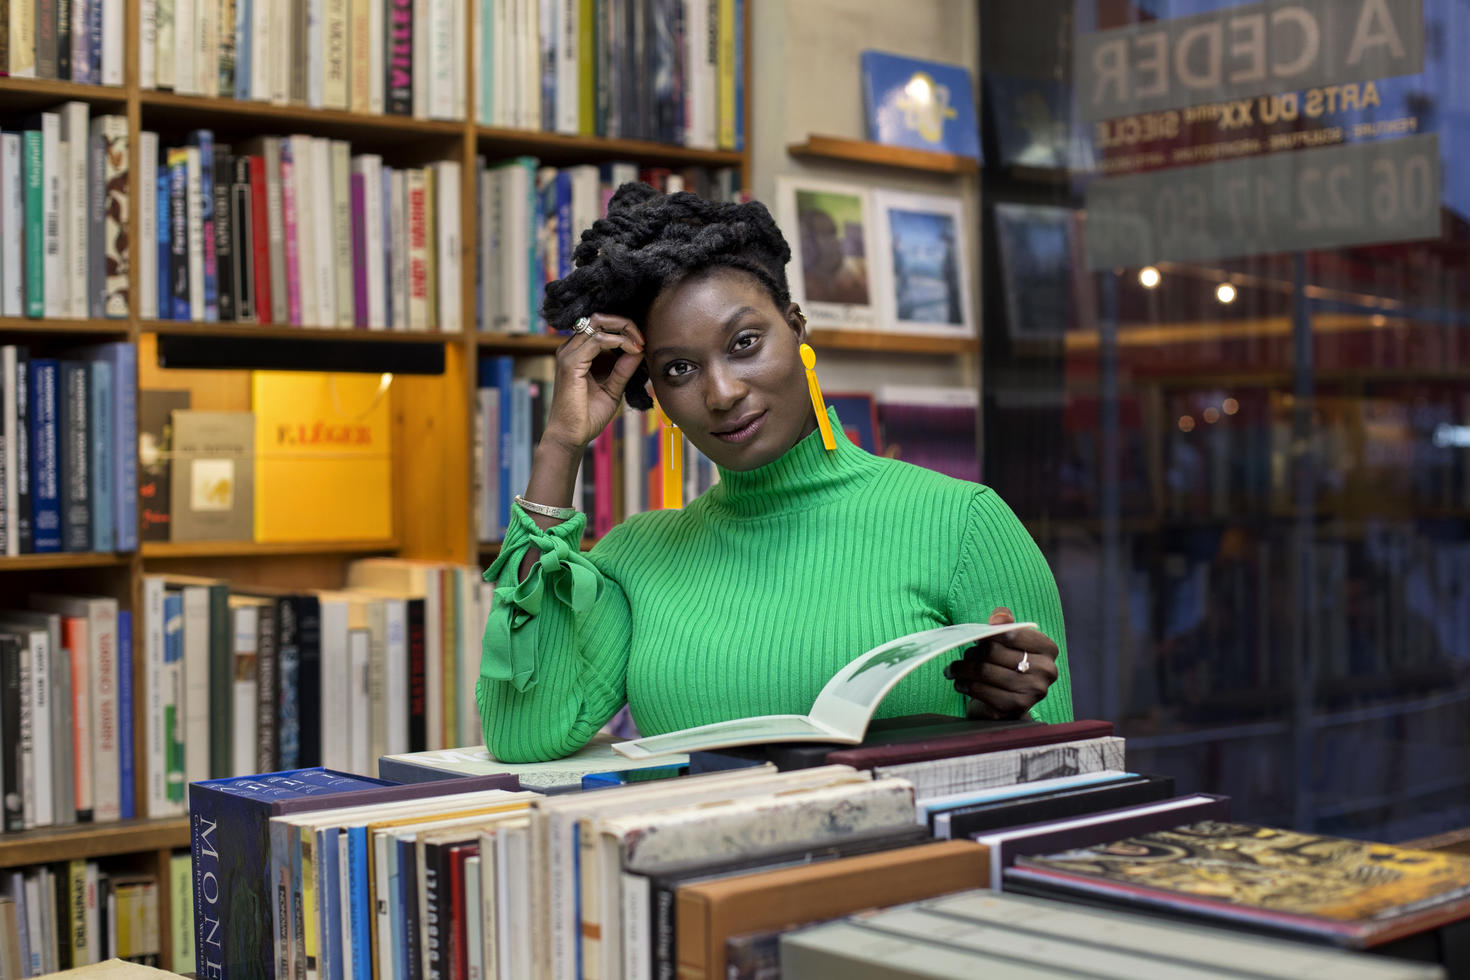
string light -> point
(1225, 293)
(1148, 277)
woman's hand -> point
(988, 673)
(586, 393)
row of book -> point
(72, 915)
(297, 230)
(68, 438)
(73, 41)
(530, 219)
(63, 215)
(767, 861)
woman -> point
(747, 600)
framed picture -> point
(858, 414)
(830, 231)
(924, 279)
(1036, 263)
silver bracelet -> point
(558, 513)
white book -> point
(299, 148)
(52, 168)
(148, 44)
(66, 282)
(704, 76)
(195, 705)
(398, 235)
(942, 777)
(282, 31)
(336, 694)
(416, 244)
(444, 38)
(447, 226)
(388, 613)
(477, 66)
(843, 707)
(37, 771)
(148, 225)
(101, 615)
(487, 231)
(586, 199)
(112, 42)
(341, 175)
(77, 194)
(10, 501)
(379, 688)
(194, 230)
(35, 915)
(91, 916)
(245, 687)
(320, 218)
(513, 889)
(568, 90)
(261, 50)
(275, 230)
(316, 52)
(206, 40)
(474, 918)
(186, 61)
(12, 227)
(470, 631)
(377, 39)
(370, 167)
(459, 84)
(359, 709)
(164, 44)
(518, 241)
(344, 905)
(635, 477)
(335, 60)
(423, 20)
(155, 696)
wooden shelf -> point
(24, 325)
(835, 148)
(519, 343)
(92, 840)
(62, 559)
(163, 550)
(560, 148)
(37, 93)
(249, 331)
(891, 343)
(192, 110)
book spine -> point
(266, 690)
(418, 720)
(72, 431)
(46, 38)
(174, 699)
(241, 241)
(76, 641)
(292, 265)
(228, 25)
(147, 44)
(148, 225)
(336, 59)
(418, 252)
(178, 224)
(90, 277)
(125, 392)
(375, 240)
(126, 763)
(726, 74)
(12, 707)
(447, 224)
(195, 204)
(201, 195)
(116, 236)
(221, 683)
(324, 223)
(186, 47)
(340, 162)
(164, 45)
(9, 543)
(221, 187)
(288, 667)
(400, 64)
(35, 239)
(12, 226)
(42, 807)
(210, 899)
(102, 444)
(359, 252)
(398, 238)
(80, 239)
(163, 222)
(110, 58)
(98, 18)
(358, 81)
(102, 639)
(45, 489)
(260, 240)
(275, 177)
(155, 735)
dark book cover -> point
(73, 426)
(418, 712)
(906, 730)
(46, 28)
(977, 742)
(399, 66)
(966, 821)
(288, 684)
(458, 924)
(663, 888)
(14, 650)
(266, 690)
(221, 681)
(224, 231)
(178, 226)
(163, 198)
(408, 874)
(45, 406)
(754, 956)
(234, 924)
(25, 519)
(155, 466)
(242, 242)
(307, 707)
(63, 47)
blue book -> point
(739, 75)
(73, 439)
(124, 359)
(923, 105)
(566, 234)
(94, 39)
(165, 246)
(360, 911)
(603, 780)
(104, 446)
(45, 463)
(178, 241)
(328, 902)
(244, 15)
(125, 764)
(204, 139)
(503, 380)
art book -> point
(1345, 892)
(843, 707)
(924, 105)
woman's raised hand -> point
(585, 399)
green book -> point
(181, 911)
(35, 236)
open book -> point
(844, 706)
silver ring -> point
(1025, 663)
(584, 325)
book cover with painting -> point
(923, 105)
(213, 476)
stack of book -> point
(77, 42)
(68, 437)
(297, 231)
(241, 680)
(64, 214)
(64, 916)
(66, 712)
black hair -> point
(650, 241)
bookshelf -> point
(835, 149)
(431, 411)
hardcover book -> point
(923, 105)
(155, 459)
(213, 476)
(475, 760)
(1326, 889)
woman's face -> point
(726, 368)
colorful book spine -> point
(124, 360)
(45, 475)
(203, 139)
(178, 225)
(173, 695)
(126, 766)
(289, 224)
(163, 202)
(260, 241)
(224, 226)
(102, 445)
(35, 244)
(73, 438)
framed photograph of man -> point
(924, 275)
(830, 231)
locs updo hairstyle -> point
(650, 241)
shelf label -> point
(1333, 197)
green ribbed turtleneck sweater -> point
(750, 598)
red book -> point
(602, 482)
(260, 239)
(975, 742)
(458, 927)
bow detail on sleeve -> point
(508, 648)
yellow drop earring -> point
(819, 406)
(671, 448)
